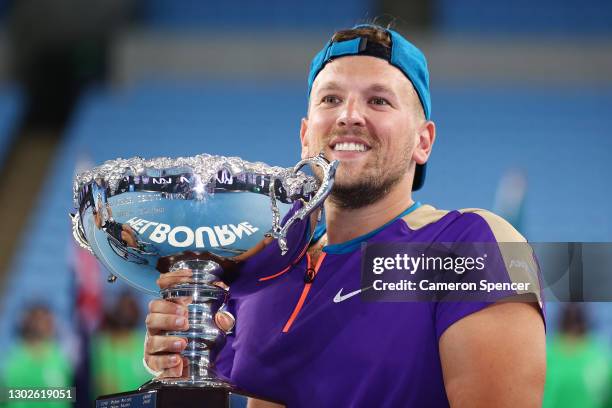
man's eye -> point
(379, 101)
(330, 99)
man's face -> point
(365, 113)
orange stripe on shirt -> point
(304, 294)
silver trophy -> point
(144, 217)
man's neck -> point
(346, 224)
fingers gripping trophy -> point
(146, 217)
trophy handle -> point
(329, 172)
(77, 232)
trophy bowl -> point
(142, 217)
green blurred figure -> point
(578, 367)
(117, 349)
(38, 361)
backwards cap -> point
(403, 55)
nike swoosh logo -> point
(339, 298)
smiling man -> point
(302, 335)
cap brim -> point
(419, 177)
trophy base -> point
(178, 397)
(185, 382)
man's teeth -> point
(350, 147)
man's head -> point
(37, 324)
(365, 111)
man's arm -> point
(495, 358)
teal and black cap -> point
(402, 54)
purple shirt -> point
(293, 343)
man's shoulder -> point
(501, 229)
(465, 222)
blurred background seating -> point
(518, 88)
(11, 105)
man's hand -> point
(162, 353)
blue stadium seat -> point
(524, 16)
(4, 4)
(11, 108)
(264, 15)
(557, 135)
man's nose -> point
(351, 114)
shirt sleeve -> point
(511, 260)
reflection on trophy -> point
(145, 217)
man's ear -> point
(303, 138)
(426, 136)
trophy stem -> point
(203, 336)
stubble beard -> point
(368, 188)
(365, 191)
